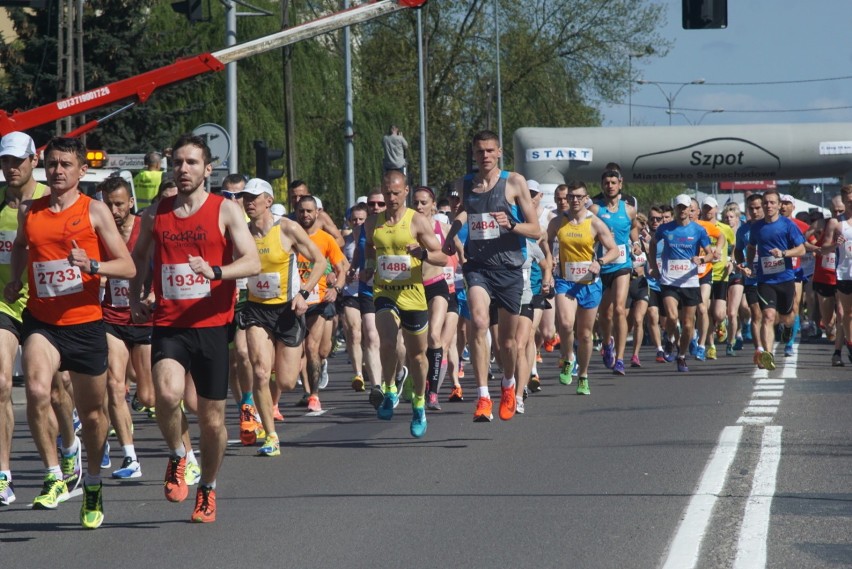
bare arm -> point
(141, 256)
(427, 242)
(327, 225)
(302, 245)
(120, 264)
(246, 261)
(20, 257)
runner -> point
(199, 244)
(351, 305)
(697, 346)
(754, 211)
(734, 342)
(717, 309)
(842, 237)
(800, 270)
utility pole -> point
(231, 87)
(348, 130)
(289, 114)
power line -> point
(785, 82)
(727, 111)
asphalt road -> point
(633, 476)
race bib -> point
(622, 255)
(847, 247)
(640, 260)
(829, 261)
(57, 278)
(449, 275)
(119, 292)
(7, 238)
(265, 285)
(394, 267)
(772, 265)
(679, 269)
(577, 272)
(181, 283)
(482, 226)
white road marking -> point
(754, 532)
(767, 387)
(686, 544)
(764, 402)
(789, 370)
(771, 381)
(755, 420)
(774, 393)
(760, 410)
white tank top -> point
(844, 253)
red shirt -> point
(184, 299)
(115, 305)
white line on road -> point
(760, 410)
(771, 381)
(767, 387)
(686, 544)
(752, 546)
(789, 371)
(764, 402)
(774, 393)
(755, 420)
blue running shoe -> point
(738, 343)
(575, 368)
(618, 367)
(693, 347)
(466, 354)
(681, 365)
(700, 353)
(788, 349)
(105, 461)
(608, 353)
(669, 351)
(418, 422)
(747, 332)
(78, 424)
(385, 411)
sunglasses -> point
(230, 195)
(575, 197)
(444, 211)
(376, 204)
(655, 219)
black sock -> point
(434, 357)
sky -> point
(765, 41)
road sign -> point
(218, 140)
(126, 161)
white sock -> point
(73, 449)
(129, 450)
(190, 457)
(483, 392)
(179, 452)
(507, 382)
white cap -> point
(787, 198)
(278, 209)
(710, 202)
(256, 186)
(533, 186)
(361, 199)
(319, 203)
(684, 200)
(441, 217)
(17, 144)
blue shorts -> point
(461, 298)
(587, 295)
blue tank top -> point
(488, 245)
(619, 224)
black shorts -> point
(201, 351)
(10, 324)
(540, 302)
(685, 296)
(736, 279)
(366, 304)
(638, 290)
(130, 335)
(719, 290)
(82, 347)
(779, 296)
(452, 304)
(844, 287)
(504, 287)
(324, 309)
(436, 289)
(751, 295)
(608, 278)
(823, 289)
(655, 298)
(527, 311)
(351, 302)
(706, 279)
(413, 321)
(278, 319)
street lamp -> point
(670, 98)
(701, 118)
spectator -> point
(395, 148)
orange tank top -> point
(60, 294)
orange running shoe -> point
(314, 405)
(483, 411)
(456, 394)
(508, 405)
(248, 425)
(276, 413)
(205, 505)
(548, 345)
(538, 359)
(174, 485)
(556, 341)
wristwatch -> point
(94, 267)
(512, 224)
(305, 294)
(217, 273)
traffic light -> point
(705, 14)
(192, 9)
(264, 156)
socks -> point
(433, 358)
(483, 392)
(179, 452)
(507, 382)
(73, 449)
(248, 399)
(92, 480)
(418, 402)
(129, 450)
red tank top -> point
(184, 299)
(60, 294)
(116, 305)
(825, 268)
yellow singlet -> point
(398, 276)
(576, 249)
(278, 279)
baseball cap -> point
(787, 198)
(17, 144)
(278, 209)
(256, 186)
(533, 186)
(683, 200)
(361, 199)
(319, 203)
(710, 202)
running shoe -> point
(248, 425)
(303, 402)
(205, 505)
(575, 370)
(788, 350)
(729, 350)
(565, 368)
(768, 360)
(721, 332)
(681, 364)
(174, 485)
(400, 379)
(738, 343)
(693, 346)
(105, 461)
(461, 370)
(323, 382)
(72, 467)
(314, 405)
(75, 419)
(389, 403)
(432, 402)
(669, 351)
(583, 386)
(408, 388)
(608, 353)
(618, 368)
(7, 492)
(700, 353)
(465, 354)
(507, 402)
(129, 469)
(192, 474)
(711, 352)
(634, 361)
(661, 357)
(786, 333)
(548, 345)
(358, 383)
(836, 361)
(556, 340)
(418, 422)
(538, 359)
(376, 396)
(271, 446)
(535, 383)
(92, 510)
(747, 331)
(276, 414)
(136, 405)
(519, 405)
(758, 359)
(53, 492)
(457, 394)
(483, 411)
(152, 413)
